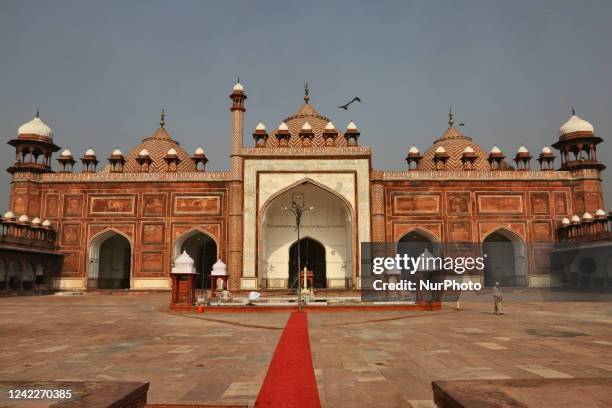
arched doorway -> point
(14, 276)
(415, 242)
(110, 260)
(504, 259)
(3, 276)
(312, 256)
(328, 227)
(203, 250)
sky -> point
(100, 72)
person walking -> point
(498, 297)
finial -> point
(306, 97)
(162, 118)
(37, 113)
(450, 117)
(573, 111)
(238, 80)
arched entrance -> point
(110, 260)
(203, 250)
(328, 242)
(312, 256)
(504, 259)
(415, 242)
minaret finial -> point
(451, 122)
(306, 96)
(162, 118)
(238, 80)
(37, 113)
(573, 111)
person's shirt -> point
(496, 292)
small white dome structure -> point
(440, 150)
(23, 218)
(171, 152)
(260, 126)
(46, 224)
(9, 215)
(66, 153)
(496, 150)
(565, 221)
(414, 150)
(330, 126)
(117, 152)
(199, 150)
(522, 149)
(575, 218)
(35, 127)
(238, 87)
(575, 124)
(468, 149)
(283, 126)
(306, 126)
(36, 221)
(143, 153)
(600, 213)
(587, 216)
(219, 269)
(351, 126)
(90, 152)
(546, 150)
(183, 264)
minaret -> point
(234, 221)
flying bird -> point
(345, 107)
(462, 124)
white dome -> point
(90, 152)
(24, 218)
(496, 150)
(35, 127)
(66, 153)
(565, 221)
(330, 126)
(238, 87)
(199, 150)
(219, 268)
(46, 223)
(306, 126)
(143, 152)
(575, 124)
(172, 151)
(117, 152)
(468, 149)
(260, 126)
(575, 218)
(440, 149)
(523, 149)
(351, 126)
(283, 126)
(600, 213)
(8, 215)
(414, 149)
(546, 150)
(587, 216)
(36, 221)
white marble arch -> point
(329, 223)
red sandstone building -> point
(119, 221)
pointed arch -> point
(125, 261)
(204, 252)
(505, 260)
(421, 231)
(313, 258)
(180, 240)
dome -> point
(440, 149)
(283, 126)
(23, 218)
(468, 149)
(587, 216)
(306, 126)
(171, 152)
(575, 218)
(454, 144)
(219, 268)
(351, 126)
(9, 215)
(90, 152)
(496, 150)
(600, 213)
(413, 150)
(575, 124)
(330, 126)
(260, 126)
(66, 153)
(565, 221)
(156, 147)
(546, 150)
(36, 221)
(199, 151)
(46, 223)
(238, 87)
(117, 152)
(35, 127)
(523, 149)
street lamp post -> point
(298, 210)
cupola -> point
(413, 157)
(578, 145)
(522, 158)
(89, 161)
(34, 147)
(172, 160)
(199, 159)
(440, 158)
(352, 134)
(306, 134)
(496, 157)
(283, 135)
(546, 159)
(329, 134)
(260, 135)
(144, 161)
(66, 161)
(468, 157)
(116, 161)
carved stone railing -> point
(125, 177)
(335, 151)
(19, 234)
(484, 175)
(596, 229)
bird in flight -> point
(345, 106)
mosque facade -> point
(118, 222)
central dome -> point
(454, 143)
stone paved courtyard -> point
(369, 359)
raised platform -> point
(561, 392)
(311, 307)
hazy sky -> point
(101, 72)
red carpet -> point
(290, 381)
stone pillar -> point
(378, 212)
(235, 205)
